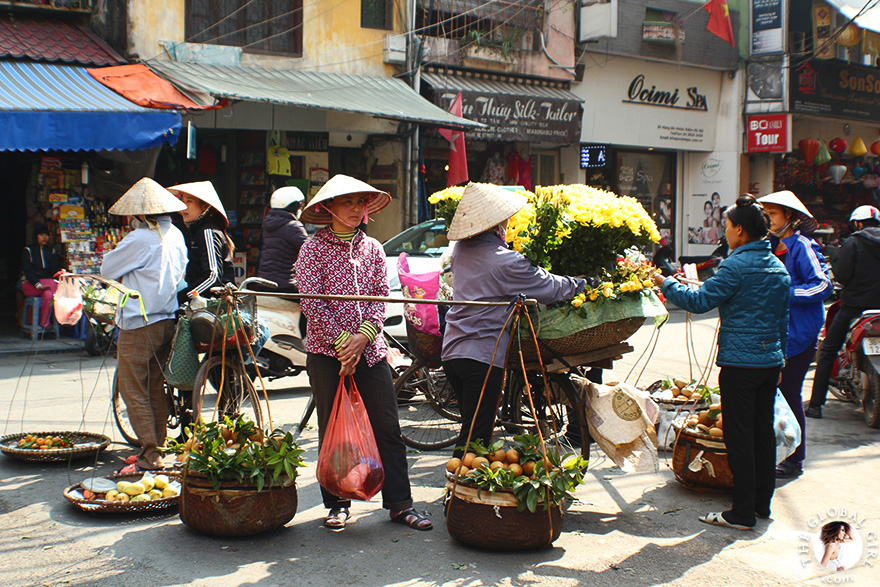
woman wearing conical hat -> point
(210, 248)
(485, 270)
(152, 260)
(790, 225)
(344, 337)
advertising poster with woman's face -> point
(712, 188)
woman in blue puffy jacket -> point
(750, 291)
(790, 222)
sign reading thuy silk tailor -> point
(517, 118)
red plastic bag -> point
(68, 302)
(349, 465)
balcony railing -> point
(49, 5)
(452, 18)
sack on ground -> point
(621, 420)
(68, 302)
(349, 465)
(786, 427)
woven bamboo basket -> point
(590, 339)
(85, 444)
(707, 454)
(235, 509)
(99, 506)
(493, 522)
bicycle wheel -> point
(237, 397)
(427, 409)
(563, 419)
(179, 412)
(120, 414)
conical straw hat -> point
(342, 185)
(805, 221)
(204, 191)
(482, 206)
(146, 197)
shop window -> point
(649, 177)
(377, 14)
(546, 168)
(257, 26)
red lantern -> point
(809, 148)
(875, 148)
(837, 145)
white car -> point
(423, 244)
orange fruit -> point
(462, 471)
(453, 464)
(498, 455)
(528, 468)
(498, 465)
(29, 438)
(512, 456)
(717, 432)
(719, 424)
(516, 469)
(468, 460)
(480, 462)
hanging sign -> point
(768, 133)
(767, 32)
(594, 156)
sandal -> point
(130, 460)
(337, 518)
(410, 517)
(717, 519)
(130, 470)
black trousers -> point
(377, 390)
(466, 377)
(835, 336)
(792, 384)
(747, 398)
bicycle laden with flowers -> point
(580, 231)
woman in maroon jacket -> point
(345, 337)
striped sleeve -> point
(212, 253)
(811, 282)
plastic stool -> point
(31, 319)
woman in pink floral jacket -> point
(345, 337)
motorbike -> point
(855, 376)
(284, 353)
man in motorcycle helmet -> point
(283, 235)
(858, 270)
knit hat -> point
(146, 197)
(342, 185)
(204, 191)
(805, 221)
(481, 207)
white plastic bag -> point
(68, 301)
(786, 427)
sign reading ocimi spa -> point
(651, 105)
(836, 89)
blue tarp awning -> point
(46, 107)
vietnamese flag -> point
(458, 171)
(719, 20)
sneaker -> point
(813, 412)
(788, 471)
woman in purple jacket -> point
(485, 270)
(790, 222)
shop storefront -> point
(290, 127)
(527, 120)
(831, 161)
(665, 138)
(70, 148)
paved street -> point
(624, 529)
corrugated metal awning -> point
(512, 111)
(61, 107)
(381, 97)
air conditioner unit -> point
(394, 49)
(598, 20)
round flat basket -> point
(235, 509)
(699, 461)
(73, 494)
(606, 334)
(85, 444)
(493, 522)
